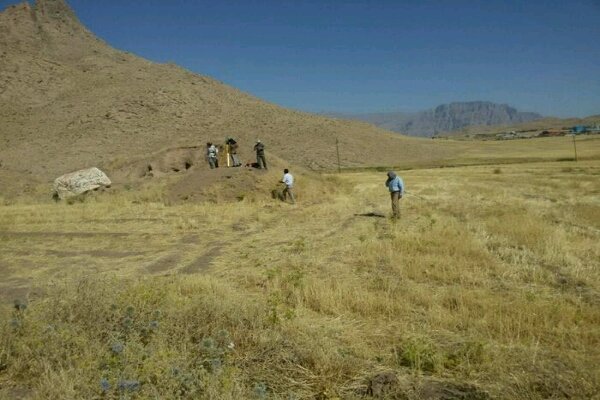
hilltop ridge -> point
(68, 100)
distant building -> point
(579, 129)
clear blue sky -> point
(364, 56)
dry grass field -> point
(194, 284)
(488, 287)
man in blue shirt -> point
(396, 186)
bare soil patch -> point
(204, 261)
(451, 391)
(163, 264)
(221, 184)
(62, 234)
(190, 239)
(165, 162)
(14, 289)
(95, 253)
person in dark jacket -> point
(233, 146)
(259, 147)
(395, 184)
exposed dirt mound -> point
(221, 184)
(181, 174)
(165, 162)
(185, 175)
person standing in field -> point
(288, 180)
(259, 147)
(395, 184)
(211, 155)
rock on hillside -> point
(448, 117)
(69, 101)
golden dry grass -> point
(475, 152)
(488, 286)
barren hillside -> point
(68, 100)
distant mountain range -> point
(445, 118)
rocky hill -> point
(68, 101)
(447, 117)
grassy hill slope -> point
(68, 101)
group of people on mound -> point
(394, 183)
(212, 154)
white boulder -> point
(79, 182)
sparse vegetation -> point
(488, 287)
(184, 283)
